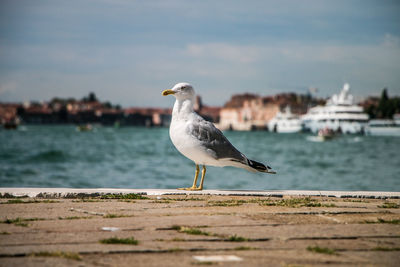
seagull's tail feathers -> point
(249, 165)
(260, 167)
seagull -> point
(200, 141)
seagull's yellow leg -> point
(196, 175)
(203, 173)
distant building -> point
(211, 114)
(37, 113)
(8, 112)
(147, 117)
(241, 112)
(246, 112)
(249, 112)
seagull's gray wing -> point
(214, 141)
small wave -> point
(356, 139)
(49, 156)
(322, 164)
(314, 139)
(8, 156)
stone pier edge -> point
(12, 192)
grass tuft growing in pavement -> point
(88, 200)
(204, 263)
(187, 199)
(189, 230)
(123, 196)
(245, 248)
(162, 201)
(196, 231)
(75, 217)
(317, 249)
(7, 195)
(175, 250)
(235, 238)
(355, 200)
(294, 203)
(21, 201)
(116, 240)
(176, 227)
(380, 220)
(386, 249)
(177, 239)
(21, 221)
(58, 254)
(226, 203)
(389, 205)
(111, 215)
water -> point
(59, 156)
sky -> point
(128, 51)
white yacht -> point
(285, 122)
(384, 127)
(339, 114)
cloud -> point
(290, 66)
(122, 73)
(224, 51)
(390, 40)
(127, 51)
(7, 87)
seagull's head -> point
(181, 91)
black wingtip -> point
(260, 167)
(256, 165)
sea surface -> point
(60, 156)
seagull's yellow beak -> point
(168, 92)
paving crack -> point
(88, 212)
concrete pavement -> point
(152, 227)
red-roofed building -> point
(247, 111)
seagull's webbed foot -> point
(194, 187)
(191, 188)
(196, 175)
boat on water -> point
(11, 124)
(326, 134)
(285, 122)
(84, 128)
(323, 135)
(340, 114)
(384, 127)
